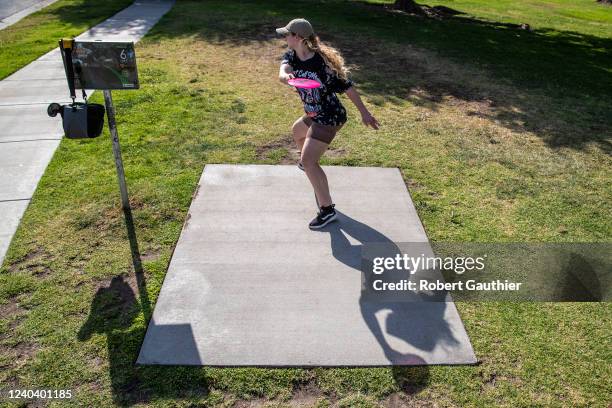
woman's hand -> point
(366, 116)
(369, 120)
(285, 73)
(286, 77)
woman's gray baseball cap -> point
(299, 26)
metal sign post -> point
(125, 202)
(112, 126)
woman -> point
(324, 114)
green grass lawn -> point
(578, 16)
(38, 33)
(492, 148)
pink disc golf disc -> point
(304, 83)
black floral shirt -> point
(321, 104)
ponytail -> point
(330, 55)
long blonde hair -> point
(330, 55)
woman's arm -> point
(366, 117)
(285, 73)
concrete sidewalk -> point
(28, 137)
(13, 11)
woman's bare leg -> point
(299, 130)
(311, 153)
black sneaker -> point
(300, 166)
(324, 217)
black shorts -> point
(323, 133)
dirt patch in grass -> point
(14, 312)
(11, 308)
(114, 215)
(14, 351)
(150, 255)
(400, 400)
(336, 152)
(35, 261)
(289, 153)
(96, 362)
(412, 184)
(17, 354)
(285, 148)
(307, 394)
(23, 351)
(253, 403)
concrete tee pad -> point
(250, 284)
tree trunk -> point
(407, 5)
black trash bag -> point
(80, 120)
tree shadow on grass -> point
(557, 83)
